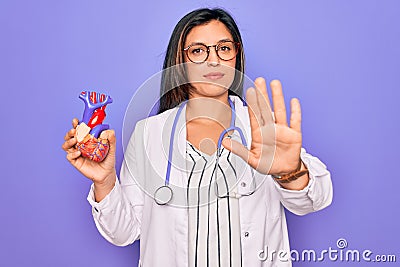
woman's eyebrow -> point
(200, 43)
(196, 43)
(225, 40)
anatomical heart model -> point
(88, 131)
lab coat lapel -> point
(242, 121)
(242, 118)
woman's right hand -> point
(103, 173)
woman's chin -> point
(210, 90)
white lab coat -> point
(128, 213)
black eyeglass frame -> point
(237, 46)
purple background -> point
(341, 58)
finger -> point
(75, 122)
(295, 116)
(71, 157)
(70, 134)
(239, 149)
(67, 145)
(236, 147)
(254, 112)
(263, 100)
(279, 102)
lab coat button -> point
(246, 234)
(243, 184)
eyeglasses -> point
(198, 53)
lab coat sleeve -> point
(316, 195)
(118, 215)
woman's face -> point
(214, 76)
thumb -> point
(237, 148)
(110, 136)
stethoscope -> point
(164, 193)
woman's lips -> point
(214, 75)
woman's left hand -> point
(275, 146)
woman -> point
(226, 204)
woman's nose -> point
(213, 59)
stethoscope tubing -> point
(171, 141)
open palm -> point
(275, 145)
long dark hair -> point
(173, 89)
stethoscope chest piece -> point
(163, 195)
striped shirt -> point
(214, 226)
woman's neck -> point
(206, 118)
(209, 110)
